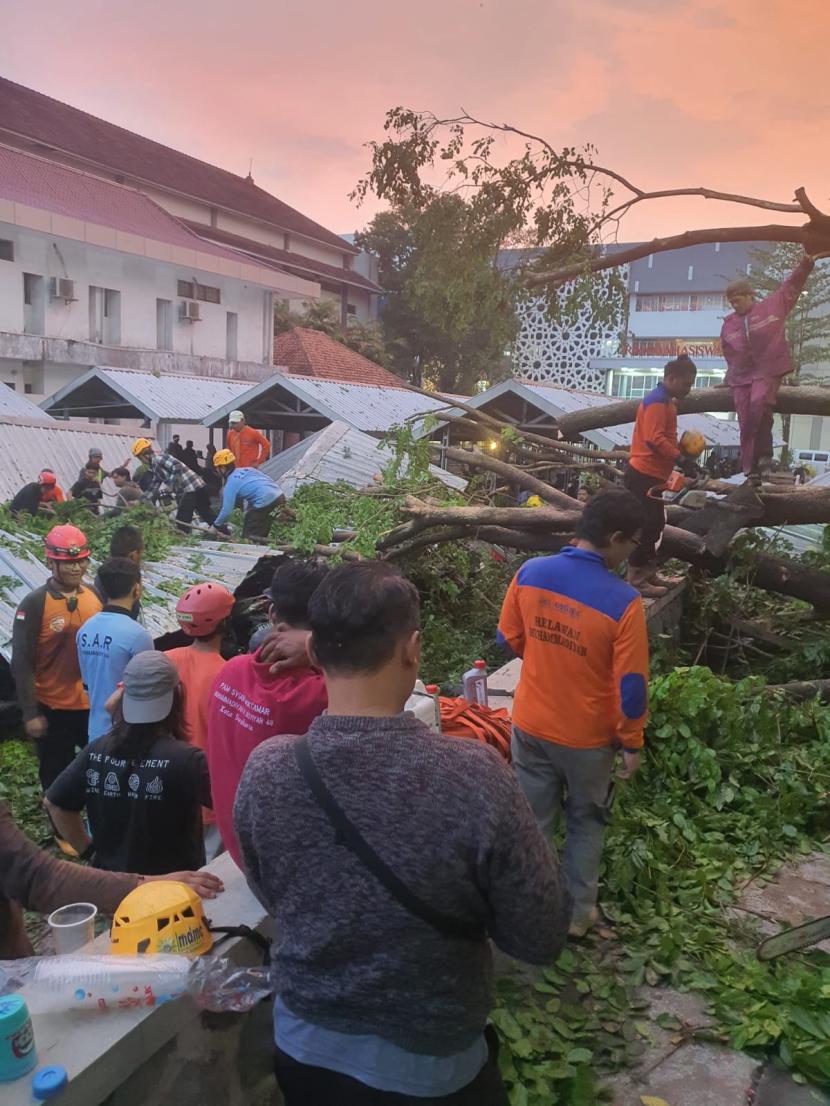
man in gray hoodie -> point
(388, 856)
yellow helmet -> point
(692, 443)
(533, 501)
(223, 457)
(160, 916)
(139, 445)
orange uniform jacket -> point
(249, 446)
(654, 447)
(581, 632)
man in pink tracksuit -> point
(758, 358)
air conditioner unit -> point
(62, 289)
(189, 311)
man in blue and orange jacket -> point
(583, 691)
(654, 454)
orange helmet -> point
(202, 608)
(47, 478)
(66, 543)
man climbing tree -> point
(757, 355)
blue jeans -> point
(557, 777)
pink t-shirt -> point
(248, 705)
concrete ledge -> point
(103, 1051)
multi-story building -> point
(96, 273)
(215, 205)
(673, 302)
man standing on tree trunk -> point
(757, 357)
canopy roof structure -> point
(535, 407)
(132, 394)
(301, 403)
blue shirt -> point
(257, 489)
(106, 643)
(375, 1062)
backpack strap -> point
(348, 834)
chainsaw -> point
(790, 940)
(678, 485)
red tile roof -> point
(311, 353)
(29, 114)
(37, 182)
(305, 265)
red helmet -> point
(202, 608)
(47, 478)
(66, 543)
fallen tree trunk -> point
(510, 472)
(791, 401)
(516, 518)
(802, 690)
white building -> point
(218, 206)
(95, 273)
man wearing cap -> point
(259, 493)
(142, 786)
(757, 355)
(250, 447)
(188, 489)
(94, 459)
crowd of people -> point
(173, 476)
(383, 967)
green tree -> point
(449, 312)
(808, 324)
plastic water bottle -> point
(432, 689)
(474, 683)
(107, 982)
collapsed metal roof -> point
(339, 452)
(164, 582)
(31, 444)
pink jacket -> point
(755, 345)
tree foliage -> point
(449, 311)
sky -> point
(672, 93)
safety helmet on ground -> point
(160, 916)
(692, 443)
(223, 457)
(139, 446)
(66, 543)
(47, 478)
(202, 607)
(533, 501)
(236, 416)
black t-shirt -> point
(27, 499)
(90, 490)
(144, 813)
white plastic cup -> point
(73, 926)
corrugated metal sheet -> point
(338, 452)
(363, 406)
(12, 403)
(227, 562)
(558, 401)
(28, 445)
(168, 396)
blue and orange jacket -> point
(654, 447)
(581, 632)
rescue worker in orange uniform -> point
(45, 665)
(654, 453)
(250, 447)
(583, 691)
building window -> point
(691, 273)
(651, 261)
(34, 304)
(6, 250)
(192, 290)
(28, 389)
(351, 309)
(231, 336)
(635, 385)
(164, 324)
(681, 301)
(104, 316)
